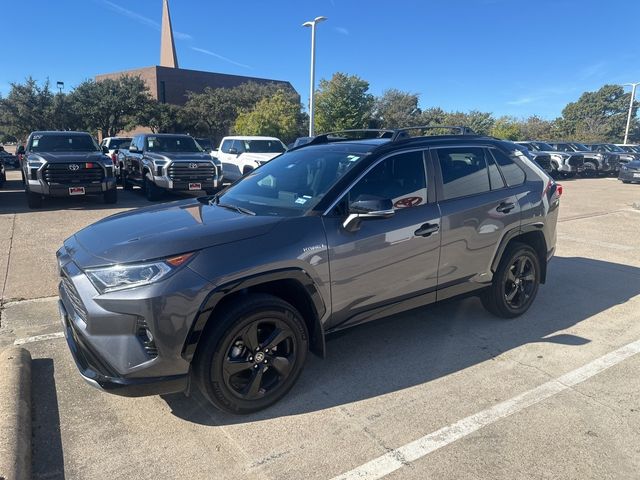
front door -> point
(387, 264)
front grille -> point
(612, 160)
(74, 298)
(544, 161)
(576, 161)
(62, 173)
(184, 171)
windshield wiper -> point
(238, 209)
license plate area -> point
(76, 190)
(195, 186)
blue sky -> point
(514, 57)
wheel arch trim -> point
(537, 227)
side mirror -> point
(233, 151)
(367, 208)
(133, 149)
(20, 150)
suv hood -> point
(71, 157)
(162, 231)
(179, 157)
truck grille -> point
(544, 161)
(576, 161)
(185, 171)
(74, 298)
(67, 174)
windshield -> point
(62, 143)
(172, 144)
(580, 147)
(204, 143)
(263, 146)
(612, 148)
(545, 147)
(293, 183)
(629, 148)
(118, 143)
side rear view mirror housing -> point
(367, 208)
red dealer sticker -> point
(408, 202)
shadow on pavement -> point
(417, 347)
(47, 456)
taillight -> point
(559, 189)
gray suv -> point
(229, 292)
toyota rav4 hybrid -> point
(162, 162)
(564, 164)
(595, 163)
(240, 155)
(64, 164)
(230, 292)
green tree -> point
(111, 105)
(598, 116)
(27, 108)
(396, 109)
(161, 118)
(343, 103)
(275, 116)
(211, 112)
(507, 128)
(536, 128)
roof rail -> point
(402, 133)
(393, 135)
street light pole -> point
(633, 97)
(312, 83)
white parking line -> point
(396, 459)
(39, 338)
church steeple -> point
(168, 57)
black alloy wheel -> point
(252, 355)
(515, 282)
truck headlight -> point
(120, 277)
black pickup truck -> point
(66, 164)
(168, 162)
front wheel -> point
(111, 196)
(34, 200)
(253, 356)
(151, 190)
(515, 282)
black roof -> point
(59, 132)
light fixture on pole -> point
(312, 24)
(633, 97)
(60, 85)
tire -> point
(261, 383)
(111, 196)
(247, 170)
(626, 181)
(151, 190)
(212, 191)
(496, 298)
(126, 185)
(34, 200)
(590, 170)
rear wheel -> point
(151, 191)
(590, 169)
(253, 356)
(126, 184)
(515, 282)
(111, 196)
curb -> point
(15, 414)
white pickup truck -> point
(239, 155)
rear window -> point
(263, 146)
(172, 144)
(116, 143)
(511, 171)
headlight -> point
(36, 163)
(120, 277)
(557, 156)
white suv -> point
(239, 155)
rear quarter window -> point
(511, 171)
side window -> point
(511, 171)
(226, 145)
(400, 178)
(239, 146)
(464, 171)
(496, 180)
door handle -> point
(505, 207)
(427, 229)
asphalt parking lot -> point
(441, 392)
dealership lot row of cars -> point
(71, 163)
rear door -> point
(390, 264)
(478, 207)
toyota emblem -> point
(193, 165)
(74, 167)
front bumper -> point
(629, 175)
(182, 185)
(62, 190)
(571, 168)
(129, 342)
(97, 373)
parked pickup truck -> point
(240, 155)
(114, 145)
(168, 162)
(594, 162)
(563, 164)
(64, 164)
